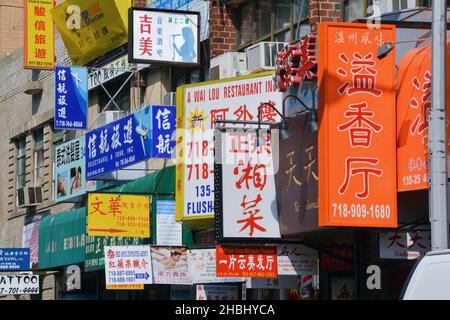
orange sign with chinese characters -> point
(118, 215)
(39, 51)
(248, 261)
(357, 132)
(413, 106)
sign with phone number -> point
(19, 284)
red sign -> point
(249, 261)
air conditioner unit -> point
(29, 196)
(170, 99)
(228, 65)
(263, 55)
(108, 117)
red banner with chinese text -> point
(249, 261)
(357, 131)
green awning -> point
(62, 239)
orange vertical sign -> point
(39, 37)
(357, 147)
(413, 106)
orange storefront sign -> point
(248, 261)
(413, 106)
(357, 135)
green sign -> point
(62, 239)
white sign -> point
(168, 231)
(404, 245)
(19, 284)
(202, 267)
(128, 265)
(216, 292)
(296, 259)
(164, 37)
(170, 265)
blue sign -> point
(163, 131)
(127, 141)
(168, 4)
(71, 90)
(165, 207)
(14, 259)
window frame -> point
(38, 153)
(21, 158)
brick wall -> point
(11, 26)
(223, 27)
(324, 10)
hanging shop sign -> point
(164, 37)
(245, 188)
(128, 265)
(297, 259)
(14, 259)
(86, 28)
(19, 284)
(170, 265)
(357, 141)
(297, 178)
(71, 98)
(216, 292)
(130, 140)
(198, 107)
(202, 267)
(248, 261)
(200, 6)
(168, 231)
(413, 107)
(118, 214)
(30, 238)
(39, 48)
(95, 259)
(404, 245)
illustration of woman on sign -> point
(187, 50)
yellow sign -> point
(39, 35)
(124, 287)
(118, 215)
(91, 28)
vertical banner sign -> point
(404, 245)
(198, 107)
(164, 36)
(248, 261)
(357, 137)
(170, 265)
(413, 106)
(71, 85)
(114, 214)
(164, 118)
(127, 265)
(39, 37)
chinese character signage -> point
(86, 28)
(71, 92)
(357, 134)
(404, 245)
(130, 140)
(168, 231)
(13, 284)
(246, 261)
(164, 36)
(14, 259)
(216, 292)
(39, 51)
(198, 107)
(297, 259)
(413, 107)
(170, 265)
(127, 265)
(297, 178)
(118, 215)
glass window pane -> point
(21, 147)
(301, 11)
(39, 139)
(263, 18)
(283, 36)
(282, 13)
(245, 31)
(354, 9)
(302, 30)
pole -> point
(438, 131)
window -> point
(20, 163)
(122, 99)
(263, 18)
(246, 27)
(38, 175)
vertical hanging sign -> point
(39, 46)
(71, 85)
(357, 134)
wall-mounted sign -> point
(71, 98)
(168, 231)
(357, 137)
(164, 37)
(14, 259)
(19, 284)
(72, 276)
(170, 265)
(297, 259)
(116, 214)
(216, 292)
(404, 245)
(39, 48)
